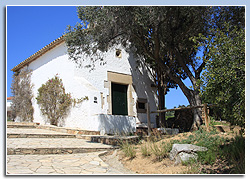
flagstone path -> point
(74, 164)
(41, 154)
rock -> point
(184, 152)
(169, 130)
(183, 157)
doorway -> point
(119, 99)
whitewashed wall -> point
(81, 82)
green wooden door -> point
(119, 99)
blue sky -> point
(30, 28)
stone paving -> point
(53, 143)
(77, 164)
(71, 162)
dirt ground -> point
(149, 164)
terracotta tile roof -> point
(9, 98)
(39, 53)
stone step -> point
(26, 125)
(36, 133)
(23, 126)
(18, 135)
(44, 151)
(68, 130)
(53, 146)
(110, 140)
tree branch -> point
(198, 71)
(184, 66)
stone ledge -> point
(21, 126)
(22, 123)
(14, 135)
(74, 131)
(42, 151)
(110, 140)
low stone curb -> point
(43, 151)
(21, 126)
(110, 140)
(13, 135)
(68, 130)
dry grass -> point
(150, 156)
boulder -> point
(184, 152)
(169, 131)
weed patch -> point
(160, 151)
(145, 150)
(128, 149)
(193, 166)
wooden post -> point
(206, 116)
(148, 119)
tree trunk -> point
(195, 100)
(161, 97)
(192, 95)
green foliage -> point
(224, 78)
(208, 157)
(169, 114)
(54, 102)
(137, 26)
(21, 89)
(235, 153)
(232, 151)
(205, 139)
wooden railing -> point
(204, 106)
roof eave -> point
(39, 53)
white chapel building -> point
(118, 88)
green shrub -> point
(234, 152)
(208, 140)
(54, 102)
(207, 157)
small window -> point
(95, 99)
(141, 105)
(118, 53)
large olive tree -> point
(162, 35)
